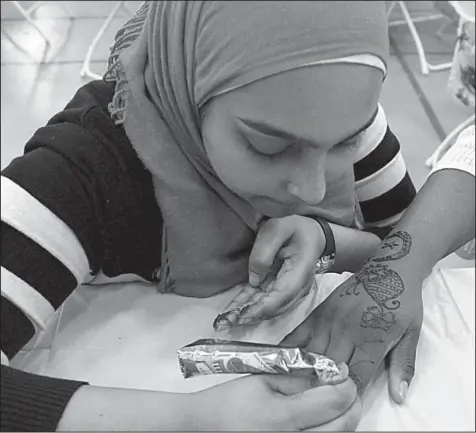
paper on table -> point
(127, 336)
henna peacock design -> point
(382, 284)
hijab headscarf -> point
(173, 57)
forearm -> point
(353, 248)
(440, 220)
(112, 409)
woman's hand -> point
(375, 313)
(281, 271)
(279, 403)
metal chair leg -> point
(86, 68)
(425, 65)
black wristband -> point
(330, 248)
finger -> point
(321, 405)
(269, 240)
(339, 348)
(294, 281)
(321, 338)
(301, 335)
(365, 361)
(254, 314)
(293, 304)
(290, 384)
(295, 277)
(229, 318)
(273, 303)
(347, 422)
(245, 296)
(402, 360)
(297, 384)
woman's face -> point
(277, 141)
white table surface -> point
(127, 336)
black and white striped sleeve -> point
(384, 188)
(79, 201)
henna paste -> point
(397, 245)
(381, 283)
(376, 317)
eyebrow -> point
(276, 131)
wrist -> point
(327, 244)
(320, 238)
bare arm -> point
(112, 409)
(290, 404)
(58, 231)
(441, 219)
(353, 248)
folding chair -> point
(27, 13)
(425, 65)
(86, 68)
(466, 15)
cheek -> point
(236, 166)
(339, 163)
(235, 170)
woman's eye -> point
(265, 145)
(269, 149)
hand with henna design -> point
(374, 315)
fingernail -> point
(403, 391)
(245, 320)
(220, 327)
(254, 279)
(221, 322)
(344, 370)
(246, 315)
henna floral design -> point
(376, 317)
(381, 283)
(399, 244)
(350, 286)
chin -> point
(272, 208)
(279, 213)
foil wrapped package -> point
(211, 356)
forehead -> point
(323, 104)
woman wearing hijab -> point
(230, 142)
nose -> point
(308, 182)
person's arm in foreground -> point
(79, 201)
(261, 403)
(264, 403)
(379, 310)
